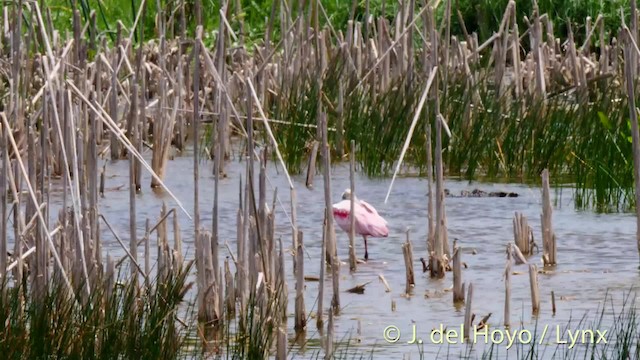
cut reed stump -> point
(330, 335)
(458, 286)
(523, 234)
(300, 312)
(535, 292)
(467, 313)
(548, 235)
(407, 251)
(208, 290)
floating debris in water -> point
(480, 193)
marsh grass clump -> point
(122, 322)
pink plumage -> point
(368, 221)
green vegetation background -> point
(481, 16)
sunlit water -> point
(596, 253)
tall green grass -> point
(123, 324)
(482, 16)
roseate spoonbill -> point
(368, 222)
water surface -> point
(597, 253)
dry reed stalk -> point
(284, 301)
(124, 247)
(576, 66)
(320, 315)
(311, 167)
(515, 55)
(408, 265)
(467, 312)
(548, 235)
(411, 129)
(133, 237)
(194, 124)
(553, 302)
(507, 288)
(447, 39)
(281, 353)
(75, 195)
(4, 169)
(300, 312)
(274, 143)
(179, 135)
(162, 126)
(113, 99)
(215, 216)
(208, 306)
(519, 257)
(271, 247)
(162, 247)
(110, 278)
(147, 248)
(535, 291)
(604, 48)
(177, 242)
(352, 218)
(458, 286)
(262, 224)
(92, 171)
(537, 52)
(438, 264)
(330, 336)
(384, 282)
(331, 249)
(230, 299)
(629, 59)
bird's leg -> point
(366, 253)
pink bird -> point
(368, 222)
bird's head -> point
(346, 195)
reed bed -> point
(510, 106)
(515, 103)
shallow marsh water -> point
(597, 253)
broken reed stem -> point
(335, 277)
(467, 312)
(535, 294)
(458, 286)
(300, 312)
(311, 166)
(553, 302)
(548, 235)
(507, 288)
(407, 251)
